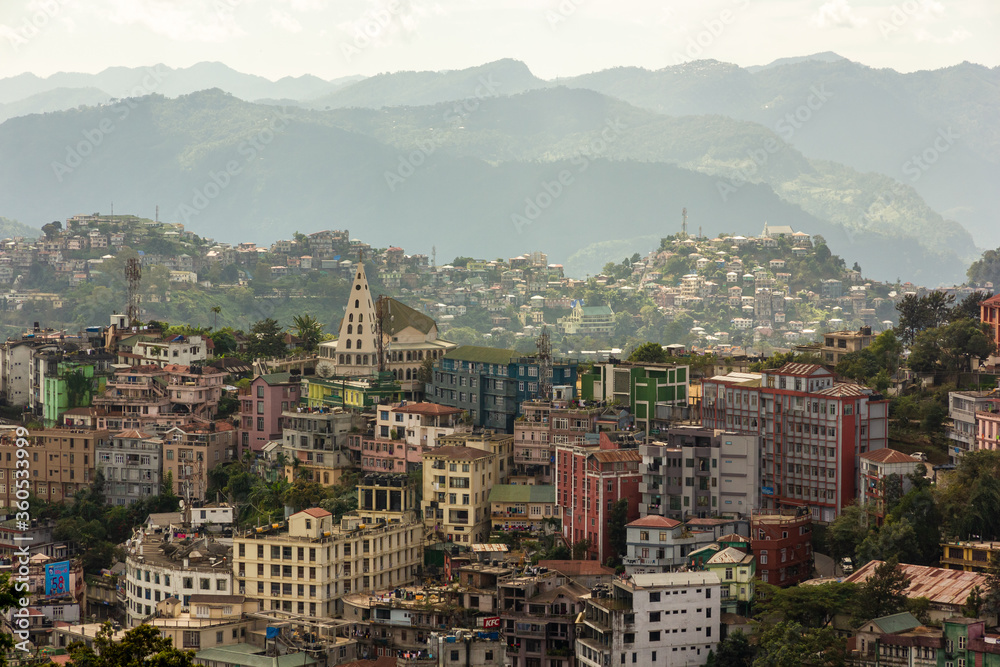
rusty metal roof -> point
(940, 586)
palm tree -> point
(309, 330)
(216, 310)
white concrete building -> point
(651, 619)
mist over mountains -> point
(494, 161)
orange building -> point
(989, 313)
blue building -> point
(491, 383)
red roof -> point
(800, 369)
(316, 512)
(655, 521)
(992, 301)
(138, 435)
(886, 455)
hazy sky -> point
(274, 38)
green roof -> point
(243, 655)
(276, 378)
(597, 310)
(522, 493)
(901, 622)
(482, 355)
(402, 316)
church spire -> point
(357, 351)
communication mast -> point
(684, 222)
(544, 346)
(383, 317)
(133, 276)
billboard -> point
(767, 490)
(57, 578)
(492, 622)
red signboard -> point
(491, 623)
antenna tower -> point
(684, 222)
(382, 317)
(434, 257)
(544, 345)
(133, 276)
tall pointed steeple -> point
(357, 352)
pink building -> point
(988, 426)
(541, 426)
(261, 405)
(403, 433)
(146, 396)
(590, 480)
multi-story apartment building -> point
(308, 564)
(402, 433)
(491, 384)
(537, 614)
(154, 397)
(61, 462)
(541, 426)
(814, 431)
(736, 570)
(989, 313)
(144, 350)
(132, 466)
(501, 445)
(15, 362)
(262, 405)
(969, 556)
(901, 640)
(590, 479)
(962, 409)
(457, 482)
(651, 619)
(781, 540)
(523, 508)
(700, 472)
(838, 344)
(876, 467)
(988, 425)
(190, 452)
(641, 386)
(159, 566)
(658, 544)
(316, 443)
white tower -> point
(357, 352)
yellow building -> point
(457, 484)
(306, 564)
(969, 556)
(501, 445)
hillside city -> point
(728, 451)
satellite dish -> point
(324, 369)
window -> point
(654, 597)
(654, 617)
(654, 636)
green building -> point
(351, 391)
(736, 570)
(73, 386)
(640, 386)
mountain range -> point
(819, 143)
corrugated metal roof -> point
(617, 455)
(938, 585)
(523, 493)
(887, 455)
(800, 369)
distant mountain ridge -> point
(239, 171)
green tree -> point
(266, 340)
(581, 548)
(309, 330)
(8, 600)
(968, 308)
(973, 603)
(215, 311)
(141, 646)
(789, 644)
(811, 606)
(985, 270)
(883, 593)
(896, 538)
(733, 651)
(847, 532)
(648, 352)
(617, 518)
